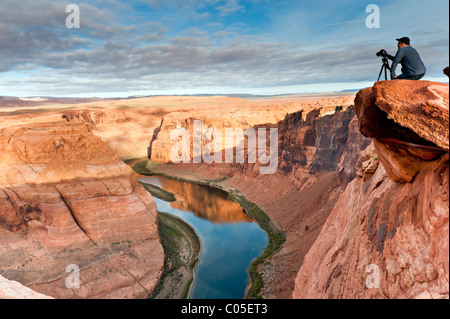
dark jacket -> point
(410, 60)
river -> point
(230, 239)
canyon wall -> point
(345, 200)
(387, 235)
(127, 131)
(321, 142)
(67, 199)
(229, 113)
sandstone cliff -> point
(57, 168)
(67, 199)
(321, 142)
(387, 236)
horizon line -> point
(308, 89)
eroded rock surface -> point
(387, 236)
(408, 121)
(65, 198)
(13, 290)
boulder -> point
(409, 121)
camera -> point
(382, 53)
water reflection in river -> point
(230, 239)
(205, 202)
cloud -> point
(230, 7)
(213, 43)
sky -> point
(167, 47)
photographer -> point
(412, 65)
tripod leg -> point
(386, 68)
(381, 71)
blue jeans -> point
(409, 77)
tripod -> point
(384, 67)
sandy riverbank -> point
(182, 248)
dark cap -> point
(405, 40)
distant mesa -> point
(13, 101)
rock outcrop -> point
(13, 290)
(316, 142)
(127, 131)
(357, 144)
(406, 131)
(65, 198)
(321, 140)
(387, 236)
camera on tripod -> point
(385, 63)
(382, 53)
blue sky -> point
(147, 47)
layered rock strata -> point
(387, 235)
(66, 198)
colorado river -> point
(230, 239)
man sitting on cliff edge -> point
(412, 65)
